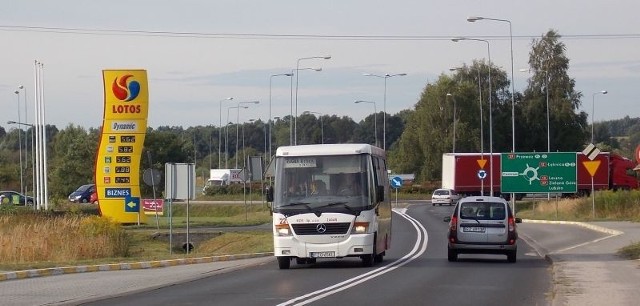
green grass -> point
(131, 243)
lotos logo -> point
(125, 89)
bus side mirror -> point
(380, 193)
(270, 194)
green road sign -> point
(538, 172)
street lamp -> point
(238, 125)
(321, 124)
(270, 85)
(25, 148)
(480, 102)
(244, 157)
(454, 121)
(295, 129)
(291, 122)
(481, 120)
(220, 131)
(593, 107)
(458, 39)
(226, 139)
(513, 90)
(375, 119)
(20, 144)
(384, 107)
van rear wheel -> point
(452, 255)
(511, 256)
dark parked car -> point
(15, 198)
(83, 194)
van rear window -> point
(482, 211)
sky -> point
(198, 53)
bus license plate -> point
(473, 229)
(323, 254)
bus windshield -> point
(323, 183)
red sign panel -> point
(152, 206)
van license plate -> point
(473, 229)
(323, 254)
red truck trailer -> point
(462, 172)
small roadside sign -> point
(591, 151)
(396, 182)
(482, 174)
(152, 206)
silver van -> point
(482, 225)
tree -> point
(568, 129)
(73, 152)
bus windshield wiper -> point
(306, 204)
(344, 204)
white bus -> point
(330, 201)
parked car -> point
(482, 225)
(444, 196)
(94, 198)
(83, 194)
(15, 198)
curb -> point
(4, 276)
(583, 224)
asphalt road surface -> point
(414, 272)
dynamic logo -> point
(125, 89)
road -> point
(414, 272)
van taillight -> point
(453, 229)
(512, 224)
(511, 235)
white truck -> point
(223, 177)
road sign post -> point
(396, 183)
(591, 151)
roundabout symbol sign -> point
(482, 174)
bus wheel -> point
(284, 262)
(367, 260)
(378, 258)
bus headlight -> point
(360, 227)
(283, 230)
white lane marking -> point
(418, 249)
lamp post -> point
(238, 125)
(384, 106)
(481, 120)
(291, 122)
(226, 139)
(375, 119)
(244, 157)
(20, 144)
(513, 101)
(458, 39)
(25, 149)
(295, 129)
(220, 131)
(454, 121)
(321, 124)
(593, 107)
(270, 86)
